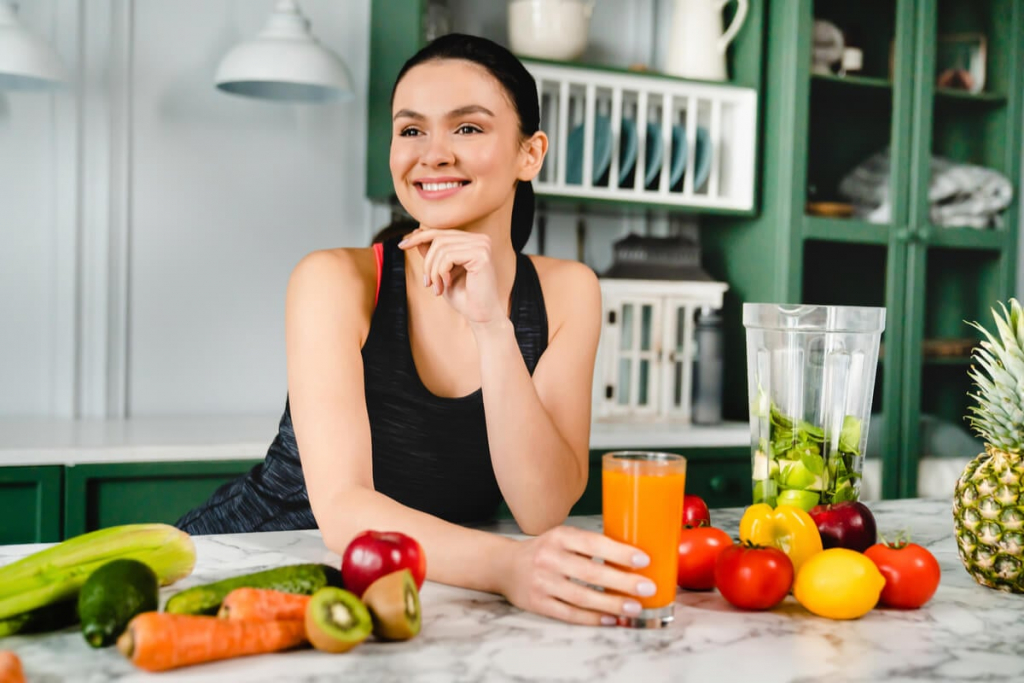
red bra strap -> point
(378, 254)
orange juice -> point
(643, 507)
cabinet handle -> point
(719, 483)
(903, 235)
(924, 233)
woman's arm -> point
(329, 304)
(538, 428)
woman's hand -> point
(546, 573)
(458, 265)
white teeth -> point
(437, 187)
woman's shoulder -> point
(345, 277)
(569, 277)
(571, 289)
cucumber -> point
(112, 595)
(304, 579)
(52, 617)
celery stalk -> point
(57, 573)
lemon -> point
(838, 584)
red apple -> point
(695, 511)
(373, 554)
(849, 524)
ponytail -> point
(523, 207)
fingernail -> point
(426, 280)
(641, 560)
(437, 290)
(608, 621)
(403, 243)
(631, 607)
(646, 589)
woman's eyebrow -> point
(453, 114)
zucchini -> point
(304, 579)
(53, 617)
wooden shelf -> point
(872, 82)
(844, 230)
(969, 238)
(985, 98)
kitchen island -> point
(966, 632)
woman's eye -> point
(409, 132)
(468, 129)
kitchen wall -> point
(148, 222)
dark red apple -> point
(373, 554)
(695, 511)
(849, 524)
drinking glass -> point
(643, 507)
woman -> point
(432, 377)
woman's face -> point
(456, 148)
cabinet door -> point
(100, 496)
(631, 354)
(961, 259)
(30, 500)
(677, 371)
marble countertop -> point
(966, 632)
(55, 441)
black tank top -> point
(430, 452)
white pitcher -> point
(697, 44)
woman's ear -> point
(532, 156)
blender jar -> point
(810, 378)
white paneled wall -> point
(148, 222)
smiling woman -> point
(442, 372)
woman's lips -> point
(439, 189)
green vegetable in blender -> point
(799, 456)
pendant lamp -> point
(285, 62)
(26, 61)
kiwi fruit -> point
(336, 620)
(394, 604)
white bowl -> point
(549, 29)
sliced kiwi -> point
(336, 621)
(394, 604)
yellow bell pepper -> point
(785, 527)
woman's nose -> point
(438, 152)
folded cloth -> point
(959, 195)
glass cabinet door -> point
(632, 353)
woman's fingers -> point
(586, 598)
(606, 576)
(593, 544)
(552, 607)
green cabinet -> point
(98, 496)
(818, 128)
(31, 504)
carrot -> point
(10, 668)
(263, 604)
(158, 641)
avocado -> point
(112, 595)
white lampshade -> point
(285, 63)
(26, 61)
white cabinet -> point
(644, 370)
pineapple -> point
(988, 504)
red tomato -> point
(911, 573)
(698, 550)
(753, 577)
(695, 511)
(373, 554)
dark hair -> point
(522, 93)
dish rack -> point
(696, 149)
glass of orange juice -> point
(643, 507)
